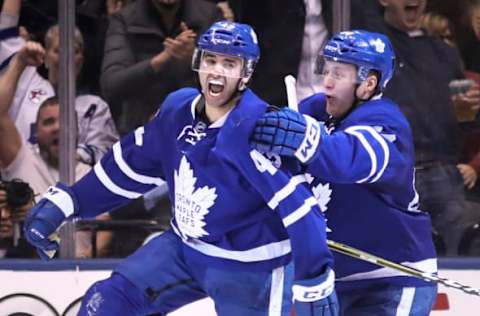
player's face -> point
(219, 77)
(340, 82)
(48, 129)
(404, 15)
(52, 59)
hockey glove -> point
(46, 217)
(287, 133)
(316, 297)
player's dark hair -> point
(52, 101)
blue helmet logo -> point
(234, 39)
(367, 50)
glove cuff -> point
(315, 289)
(309, 145)
(63, 197)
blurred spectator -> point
(36, 164)
(425, 67)
(438, 25)
(32, 89)
(290, 31)
(148, 49)
(468, 34)
(97, 131)
(92, 20)
(226, 10)
(12, 244)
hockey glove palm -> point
(287, 133)
(46, 217)
(316, 297)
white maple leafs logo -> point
(379, 45)
(323, 194)
(191, 205)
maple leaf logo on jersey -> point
(191, 204)
(323, 194)
(36, 95)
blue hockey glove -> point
(46, 217)
(316, 297)
(287, 133)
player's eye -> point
(338, 75)
(229, 65)
(209, 61)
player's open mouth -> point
(215, 87)
(55, 141)
(412, 9)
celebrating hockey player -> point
(246, 231)
(358, 147)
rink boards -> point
(55, 288)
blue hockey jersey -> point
(232, 206)
(364, 180)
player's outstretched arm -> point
(45, 218)
(287, 133)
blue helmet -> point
(367, 50)
(233, 39)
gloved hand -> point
(46, 217)
(316, 297)
(287, 133)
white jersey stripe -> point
(281, 194)
(276, 292)
(300, 212)
(406, 301)
(368, 148)
(112, 187)
(386, 151)
(266, 252)
(125, 168)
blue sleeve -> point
(365, 152)
(286, 194)
(132, 167)
(359, 154)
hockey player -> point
(226, 241)
(359, 148)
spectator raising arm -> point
(31, 54)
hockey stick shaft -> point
(290, 85)
(362, 255)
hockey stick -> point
(290, 83)
(427, 276)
